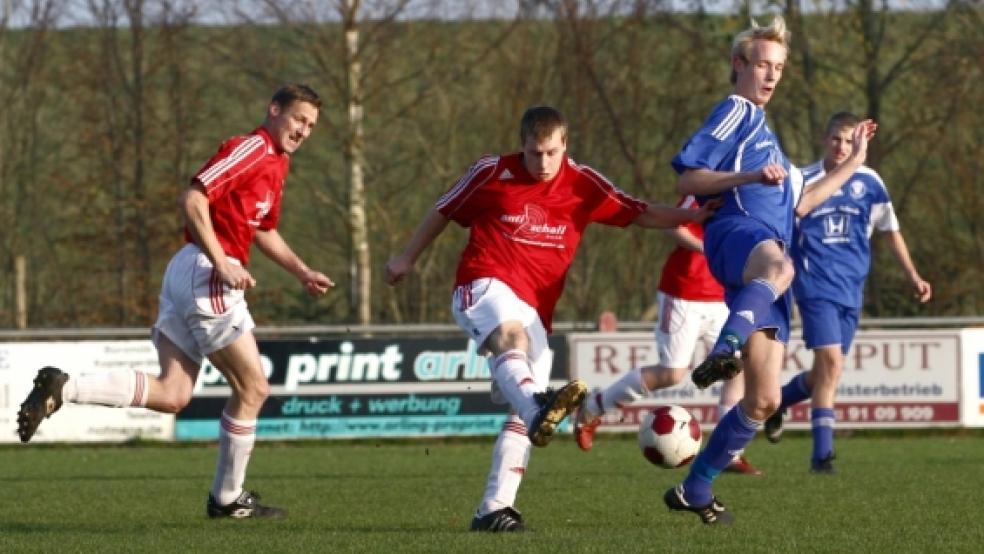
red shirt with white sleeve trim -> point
(525, 232)
(685, 273)
(244, 182)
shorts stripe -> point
(215, 290)
(138, 388)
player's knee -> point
(174, 402)
(255, 394)
(759, 407)
(829, 365)
(510, 335)
(783, 274)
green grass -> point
(893, 493)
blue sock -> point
(732, 433)
(751, 305)
(822, 420)
(794, 392)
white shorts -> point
(198, 312)
(684, 322)
(484, 304)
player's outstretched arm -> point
(921, 288)
(194, 207)
(685, 239)
(707, 182)
(818, 192)
(661, 216)
(429, 229)
(276, 248)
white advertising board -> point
(19, 363)
(897, 378)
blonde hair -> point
(776, 32)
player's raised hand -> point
(773, 174)
(864, 132)
(236, 276)
(397, 268)
(316, 283)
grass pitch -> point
(893, 493)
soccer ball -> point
(669, 436)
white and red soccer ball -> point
(669, 436)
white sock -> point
(119, 389)
(510, 457)
(236, 438)
(629, 388)
(514, 377)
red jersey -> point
(244, 182)
(685, 273)
(525, 232)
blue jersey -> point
(737, 138)
(831, 248)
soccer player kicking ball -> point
(233, 201)
(526, 213)
(691, 309)
(832, 254)
(735, 156)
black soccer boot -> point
(44, 399)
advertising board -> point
(898, 378)
(352, 388)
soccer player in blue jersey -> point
(832, 255)
(735, 156)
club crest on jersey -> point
(532, 227)
(857, 189)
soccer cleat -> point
(554, 407)
(44, 399)
(503, 520)
(773, 426)
(743, 466)
(823, 466)
(584, 432)
(713, 514)
(718, 366)
(247, 505)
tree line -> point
(104, 123)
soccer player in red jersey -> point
(526, 213)
(233, 202)
(691, 308)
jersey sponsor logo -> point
(506, 174)
(763, 144)
(532, 228)
(262, 209)
(857, 189)
(836, 227)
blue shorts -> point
(728, 241)
(827, 323)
